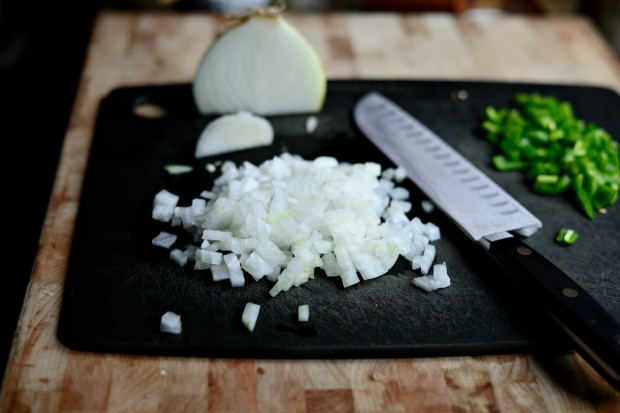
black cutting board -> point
(118, 285)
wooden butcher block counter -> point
(157, 48)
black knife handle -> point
(592, 329)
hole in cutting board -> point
(145, 108)
(150, 111)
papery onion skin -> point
(262, 65)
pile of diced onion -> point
(287, 218)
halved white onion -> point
(262, 65)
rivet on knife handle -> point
(586, 322)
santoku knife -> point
(490, 216)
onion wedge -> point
(234, 132)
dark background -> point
(42, 49)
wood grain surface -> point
(131, 48)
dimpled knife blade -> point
(456, 186)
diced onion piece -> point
(432, 231)
(439, 279)
(164, 239)
(235, 272)
(176, 169)
(303, 312)
(423, 262)
(220, 272)
(165, 197)
(262, 65)
(427, 206)
(210, 257)
(400, 174)
(250, 314)
(164, 205)
(170, 323)
(179, 256)
(234, 132)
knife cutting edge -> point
(490, 216)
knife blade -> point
(494, 219)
